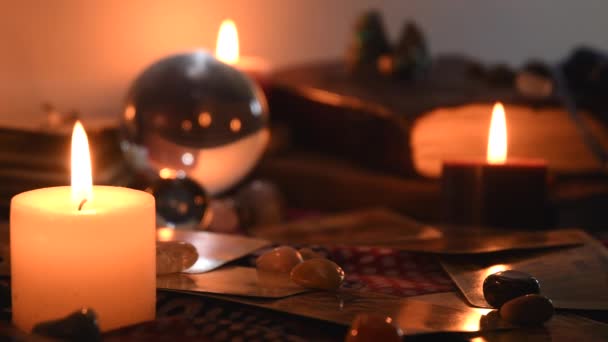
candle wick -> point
(81, 204)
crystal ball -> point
(190, 115)
(180, 202)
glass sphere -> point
(192, 115)
(180, 203)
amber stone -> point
(174, 256)
(281, 259)
(532, 309)
(503, 286)
(373, 327)
(318, 273)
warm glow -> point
(165, 234)
(204, 119)
(235, 125)
(497, 140)
(166, 173)
(495, 269)
(129, 113)
(227, 46)
(82, 179)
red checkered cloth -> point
(384, 270)
(390, 271)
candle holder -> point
(190, 115)
(511, 195)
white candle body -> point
(102, 257)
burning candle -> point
(500, 191)
(227, 51)
(83, 245)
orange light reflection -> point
(165, 234)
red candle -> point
(497, 192)
(227, 51)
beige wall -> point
(83, 53)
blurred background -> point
(82, 54)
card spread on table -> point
(562, 327)
(573, 277)
(342, 306)
(214, 249)
(237, 281)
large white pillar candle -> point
(97, 252)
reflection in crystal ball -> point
(190, 115)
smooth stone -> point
(318, 273)
(78, 326)
(308, 254)
(373, 328)
(174, 256)
(532, 309)
(281, 259)
(500, 287)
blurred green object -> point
(369, 42)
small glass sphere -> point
(180, 202)
(192, 115)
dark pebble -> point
(500, 287)
(78, 326)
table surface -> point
(378, 270)
(387, 271)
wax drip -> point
(81, 204)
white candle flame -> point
(82, 179)
(497, 140)
(227, 46)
